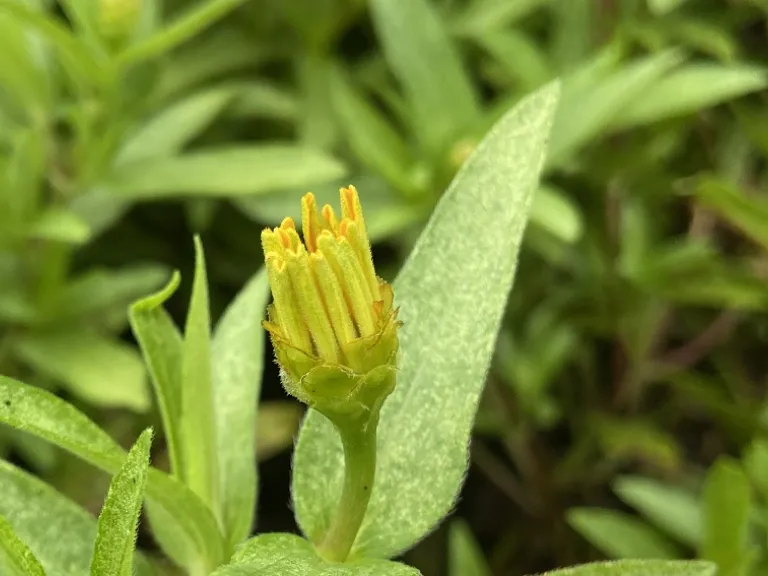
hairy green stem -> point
(359, 441)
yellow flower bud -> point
(332, 321)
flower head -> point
(332, 322)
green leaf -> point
(639, 568)
(96, 368)
(690, 89)
(422, 56)
(42, 414)
(518, 56)
(747, 213)
(119, 518)
(756, 464)
(58, 532)
(369, 133)
(317, 126)
(84, 15)
(22, 562)
(101, 295)
(192, 22)
(263, 99)
(198, 427)
(574, 29)
(465, 558)
(171, 129)
(591, 102)
(23, 69)
(75, 57)
(486, 16)
(60, 225)
(662, 7)
(631, 439)
(556, 213)
(161, 346)
(446, 344)
(237, 356)
(672, 509)
(619, 535)
(693, 272)
(224, 172)
(727, 506)
(290, 555)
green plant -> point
(200, 513)
(630, 347)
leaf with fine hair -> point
(237, 356)
(291, 555)
(639, 568)
(446, 343)
(20, 559)
(223, 172)
(119, 518)
(42, 414)
(57, 531)
(197, 424)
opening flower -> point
(332, 322)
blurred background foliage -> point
(625, 413)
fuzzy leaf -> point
(727, 507)
(639, 568)
(290, 555)
(98, 369)
(619, 535)
(17, 555)
(446, 344)
(224, 172)
(237, 363)
(418, 48)
(42, 414)
(119, 518)
(197, 418)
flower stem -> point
(358, 438)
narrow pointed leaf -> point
(167, 132)
(161, 345)
(57, 531)
(232, 171)
(672, 509)
(119, 518)
(290, 555)
(17, 555)
(192, 22)
(42, 414)
(446, 344)
(237, 357)
(197, 418)
(727, 508)
(620, 535)
(418, 48)
(639, 568)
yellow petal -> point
(286, 306)
(311, 306)
(333, 296)
(354, 234)
(310, 222)
(346, 266)
(351, 208)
